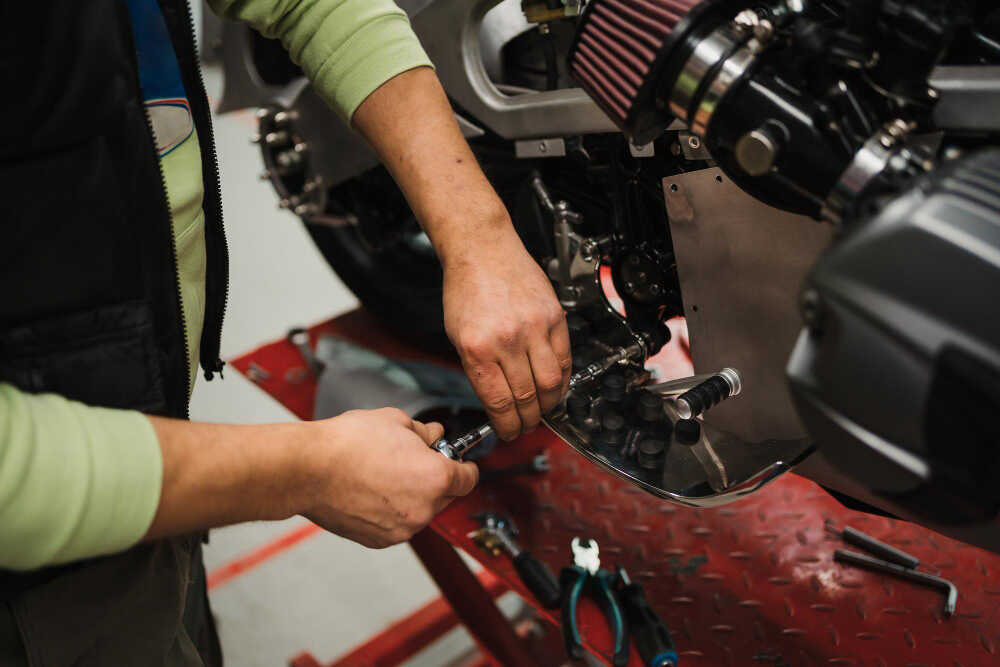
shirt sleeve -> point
(75, 481)
(347, 48)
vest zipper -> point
(215, 304)
(173, 263)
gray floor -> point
(326, 594)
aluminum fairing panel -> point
(741, 264)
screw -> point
(542, 147)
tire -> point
(396, 280)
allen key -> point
(897, 563)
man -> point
(113, 261)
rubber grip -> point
(652, 637)
(539, 579)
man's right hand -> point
(377, 480)
(367, 475)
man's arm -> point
(367, 475)
(75, 480)
(78, 481)
(500, 310)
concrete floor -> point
(326, 594)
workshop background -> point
(279, 588)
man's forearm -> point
(412, 127)
(499, 308)
(220, 474)
(367, 475)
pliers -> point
(585, 576)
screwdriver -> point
(652, 637)
(457, 449)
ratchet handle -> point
(539, 579)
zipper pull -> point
(217, 368)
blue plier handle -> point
(585, 577)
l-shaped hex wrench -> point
(917, 577)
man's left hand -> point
(504, 319)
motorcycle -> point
(811, 184)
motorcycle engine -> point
(785, 95)
(843, 111)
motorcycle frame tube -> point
(459, 63)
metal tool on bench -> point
(496, 534)
(897, 563)
(299, 337)
(456, 449)
(585, 576)
(652, 637)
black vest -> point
(88, 267)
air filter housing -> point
(628, 53)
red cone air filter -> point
(625, 48)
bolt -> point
(542, 147)
(756, 152)
(812, 309)
(274, 138)
(747, 18)
(301, 147)
(255, 138)
(655, 289)
(285, 117)
(262, 113)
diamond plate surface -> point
(752, 583)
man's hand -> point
(500, 311)
(502, 316)
(377, 480)
(367, 475)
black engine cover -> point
(897, 373)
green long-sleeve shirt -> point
(79, 481)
